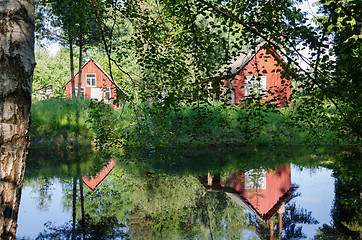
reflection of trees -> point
(221, 216)
(292, 217)
(159, 206)
(69, 167)
(296, 215)
(85, 226)
(169, 207)
(104, 228)
(42, 187)
(346, 212)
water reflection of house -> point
(263, 192)
(94, 182)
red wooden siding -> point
(278, 182)
(94, 182)
(264, 64)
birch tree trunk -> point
(16, 73)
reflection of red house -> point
(263, 192)
(95, 83)
(253, 71)
(94, 182)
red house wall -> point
(102, 81)
(260, 62)
(278, 182)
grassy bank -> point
(216, 126)
(59, 123)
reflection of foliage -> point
(296, 215)
(221, 216)
(293, 216)
(110, 199)
(346, 212)
(42, 186)
(161, 206)
(165, 200)
(177, 207)
(105, 228)
(327, 232)
(155, 192)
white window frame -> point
(82, 91)
(255, 84)
(107, 90)
(255, 179)
(91, 81)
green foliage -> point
(103, 123)
(216, 126)
(51, 70)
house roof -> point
(100, 68)
(242, 201)
(237, 63)
(239, 199)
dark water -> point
(171, 200)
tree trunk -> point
(74, 211)
(82, 206)
(16, 73)
(71, 66)
(80, 60)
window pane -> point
(255, 179)
(91, 79)
(107, 94)
(255, 84)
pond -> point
(183, 196)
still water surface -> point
(128, 202)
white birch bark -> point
(16, 73)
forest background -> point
(155, 47)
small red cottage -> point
(95, 84)
(254, 72)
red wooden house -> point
(95, 84)
(253, 72)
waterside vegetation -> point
(63, 123)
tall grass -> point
(59, 116)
